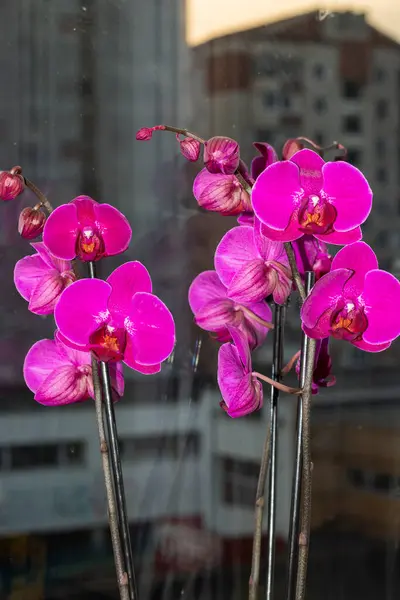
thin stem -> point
(289, 366)
(118, 477)
(295, 272)
(122, 577)
(277, 385)
(184, 132)
(246, 186)
(260, 495)
(280, 314)
(252, 315)
(42, 198)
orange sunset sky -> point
(209, 18)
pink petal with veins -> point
(46, 293)
(234, 250)
(126, 281)
(60, 231)
(114, 228)
(324, 295)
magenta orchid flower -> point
(41, 279)
(118, 319)
(312, 255)
(85, 229)
(241, 391)
(322, 376)
(58, 374)
(251, 266)
(221, 155)
(305, 195)
(355, 301)
(267, 157)
(221, 193)
(214, 311)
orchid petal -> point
(382, 300)
(42, 358)
(340, 238)
(205, 287)
(360, 258)
(234, 250)
(60, 231)
(276, 194)
(125, 282)
(151, 328)
(268, 249)
(241, 343)
(349, 192)
(363, 345)
(255, 331)
(27, 274)
(81, 309)
(290, 234)
(64, 385)
(310, 165)
(54, 263)
(85, 207)
(130, 361)
(117, 378)
(114, 228)
(254, 281)
(46, 293)
(78, 355)
(259, 163)
(324, 295)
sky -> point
(209, 18)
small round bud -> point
(31, 222)
(190, 148)
(144, 134)
(291, 147)
(11, 185)
(221, 155)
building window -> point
(40, 456)
(381, 175)
(166, 446)
(351, 89)
(379, 75)
(352, 124)
(239, 482)
(319, 71)
(382, 109)
(354, 157)
(269, 99)
(320, 105)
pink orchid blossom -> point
(59, 374)
(267, 157)
(85, 229)
(118, 319)
(355, 301)
(221, 155)
(221, 193)
(322, 376)
(41, 279)
(251, 266)
(312, 255)
(305, 195)
(214, 311)
(241, 391)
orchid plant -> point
(99, 325)
(287, 210)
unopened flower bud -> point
(31, 222)
(190, 148)
(291, 147)
(221, 155)
(11, 185)
(145, 133)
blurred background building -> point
(79, 78)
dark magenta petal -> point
(259, 163)
(44, 254)
(234, 250)
(114, 228)
(382, 300)
(28, 272)
(64, 385)
(363, 345)
(324, 295)
(126, 281)
(255, 332)
(206, 287)
(268, 249)
(40, 361)
(58, 336)
(290, 234)
(82, 309)
(151, 328)
(45, 294)
(310, 164)
(341, 238)
(61, 230)
(242, 345)
(360, 258)
(276, 194)
(117, 377)
(349, 192)
(85, 206)
(130, 361)
(254, 281)
(215, 315)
